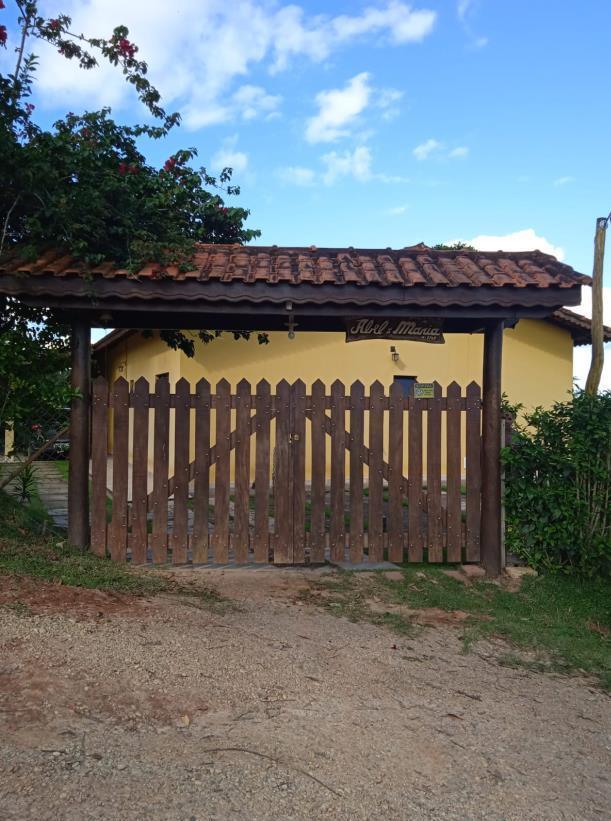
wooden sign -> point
(424, 390)
(416, 330)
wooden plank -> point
(182, 420)
(490, 532)
(99, 465)
(357, 419)
(376, 445)
(201, 490)
(474, 471)
(337, 527)
(160, 470)
(318, 438)
(283, 535)
(298, 458)
(414, 470)
(395, 475)
(453, 459)
(262, 463)
(241, 540)
(220, 534)
(120, 470)
(140, 404)
(433, 477)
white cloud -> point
(396, 211)
(228, 157)
(356, 164)
(563, 181)
(525, 240)
(297, 175)
(435, 148)
(425, 149)
(464, 8)
(200, 51)
(339, 109)
(250, 101)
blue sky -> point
(379, 123)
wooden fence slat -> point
(415, 479)
(220, 534)
(318, 444)
(454, 528)
(395, 475)
(298, 456)
(337, 527)
(262, 462)
(99, 465)
(241, 540)
(357, 419)
(120, 470)
(433, 477)
(182, 414)
(201, 490)
(283, 535)
(474, 471)
(139, 535)
(376, 444)
(160, 470)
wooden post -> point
(78, 473)
(598, 346)
(491, 445)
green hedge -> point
(558, 487)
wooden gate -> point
(289, 477)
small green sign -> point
(424, 390)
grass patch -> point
(62, 467)
(565, 622)
(25, 551)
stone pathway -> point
(53, 492)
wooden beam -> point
(78, 474)
(491, 446)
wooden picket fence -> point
(289, 477)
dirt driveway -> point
(116, 708)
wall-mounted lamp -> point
(394, 354)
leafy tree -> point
(85, 187)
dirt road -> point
(116, 708)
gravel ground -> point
(113, 708)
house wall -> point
(537, 362)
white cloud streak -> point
(435, 148)
(229, 157)
(339, 109)
(201, 52)
(524, 240)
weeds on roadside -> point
(564, 621)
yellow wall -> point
(537, 362)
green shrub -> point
(558, 481)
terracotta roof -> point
(417, 265)
(579, 326)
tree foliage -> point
(85, 187)
(558, 486)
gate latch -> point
(295, 437)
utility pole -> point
(598, 349)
